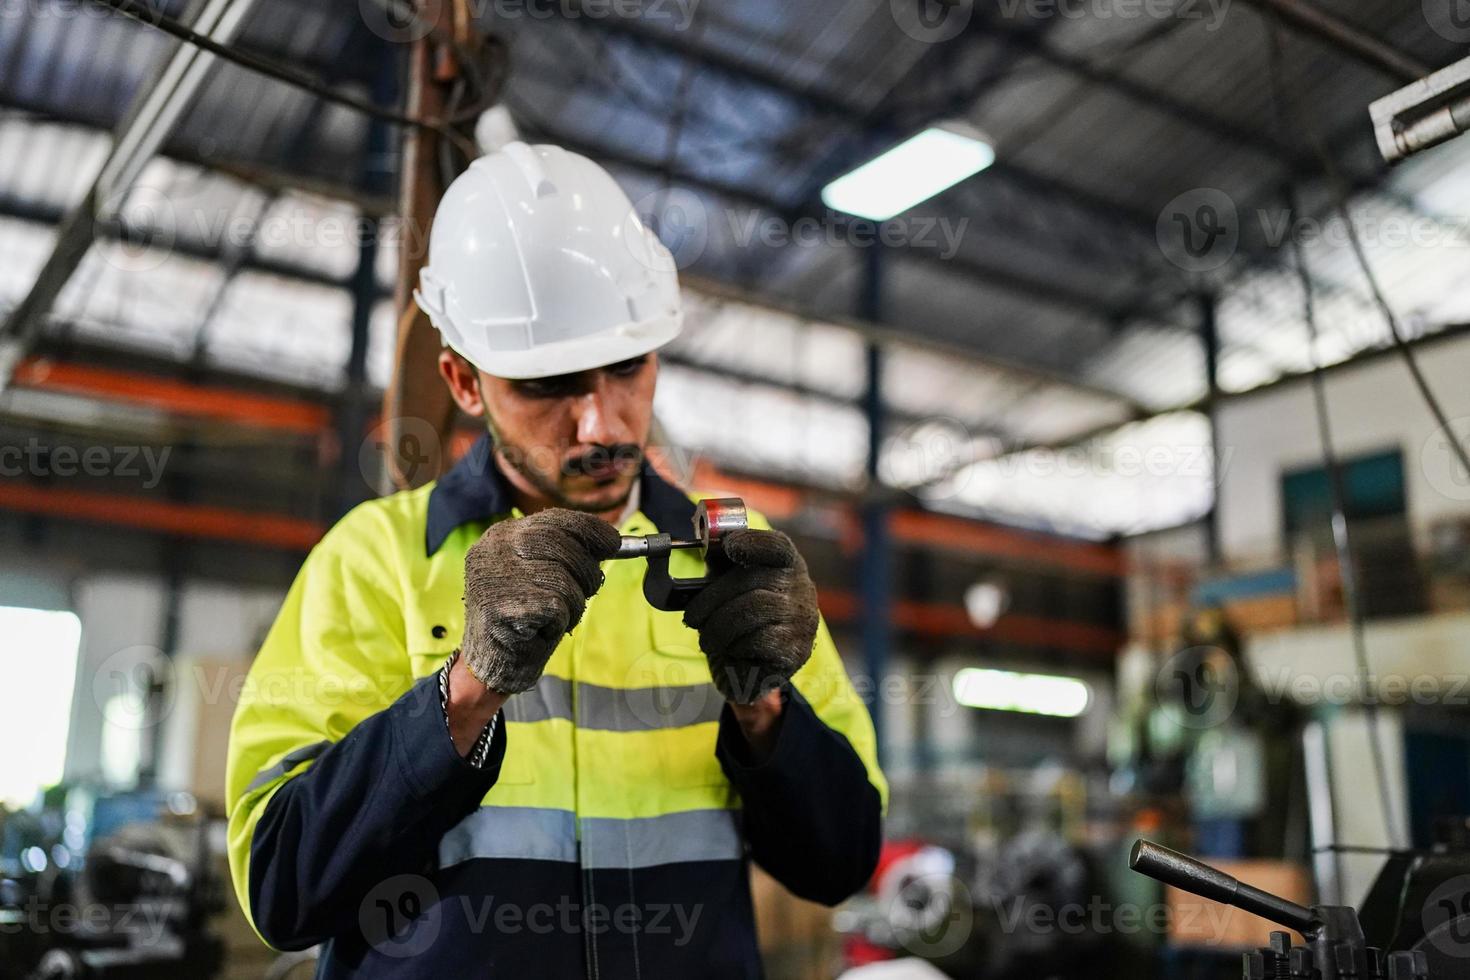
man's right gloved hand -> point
(526, 584)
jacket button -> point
(439, 632)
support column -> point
(353, 485)
(875, 575)
(1210, 339)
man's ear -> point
(463, 381)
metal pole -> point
(354, 411)
(1348, 38)
(1322, 810)
(353, 487)
(874, 572)
(1210, 339)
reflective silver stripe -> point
(617, 709)
(551, 835)
(695, 835)
(511, 832)
(291, 760)
(550, 698)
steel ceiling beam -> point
(51, 217)
(271, 179)
(154, 111)
(1347, 38)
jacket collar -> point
(474, 489)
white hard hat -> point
(538, 265)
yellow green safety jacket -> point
(609, 831)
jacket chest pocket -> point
(432, 631)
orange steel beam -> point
(178, 397)
(166, 516)
(957, 534)
(779, 501)
(940, 620)
(939, 531)
(297, 534)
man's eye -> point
(544, 388)
(626, 369)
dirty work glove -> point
(526, 584)
(757, 621)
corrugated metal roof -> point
(736, 115)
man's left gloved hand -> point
(757, 622)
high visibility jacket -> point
(608, 834)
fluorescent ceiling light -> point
(913, 171)
(1031, 694)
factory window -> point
(38, 667)
(1391, 578)
(1373, 487)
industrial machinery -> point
(95, 894)
(1337, 947)
(713, 519)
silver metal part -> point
(643, 545)
(1424, 114)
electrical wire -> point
(1342, 543)
(1336, 185)
(1411, 361)
(140, 12)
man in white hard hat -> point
(469, 746)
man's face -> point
(576, 440)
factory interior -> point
(1099, 370)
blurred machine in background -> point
(108, 887)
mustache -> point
(621, 456)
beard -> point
(547, 481)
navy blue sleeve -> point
(373, 805)
(812, 818)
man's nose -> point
(598, 421)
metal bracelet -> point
(481, 750)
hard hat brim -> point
(579, 354)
